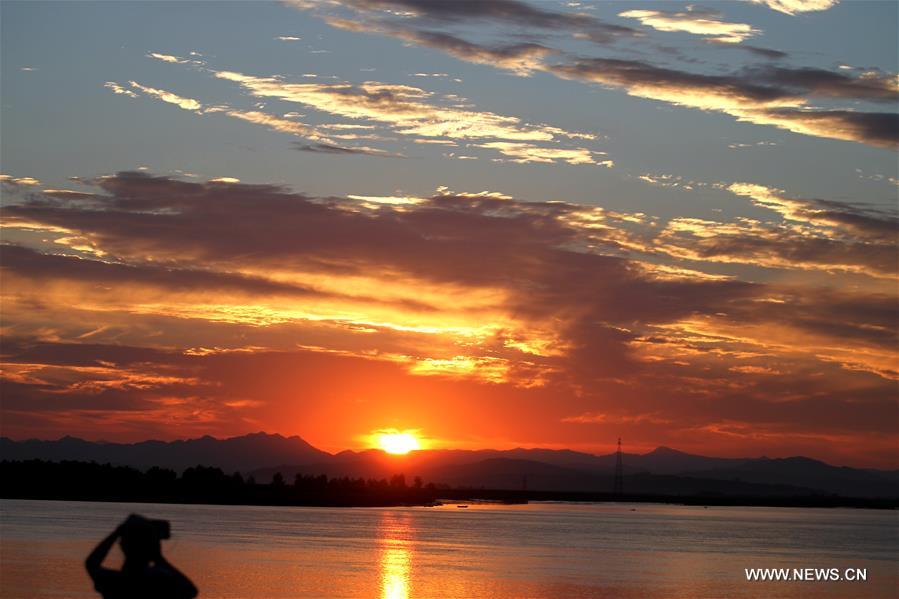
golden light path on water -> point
(396, 556)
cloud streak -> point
(521, 58)
(500, 12)
(756, 96)
(772, 96)
(406, 108)
(166, 96)
(323, 148)
(794, 7)
(707, 24)
(525, 153)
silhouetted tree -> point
(36, 479)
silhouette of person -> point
(145, 573)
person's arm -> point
(94, 561)
(182, 587)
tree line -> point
(90, 481)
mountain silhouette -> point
(810, 473)
(237, 454)
(663, 470)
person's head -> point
(141, 538)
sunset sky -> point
(496, 224)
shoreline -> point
(500, 497)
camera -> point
(139, 525)
(162, 527)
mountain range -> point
(661, 471)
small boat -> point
(461, 506)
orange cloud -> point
(368, 305)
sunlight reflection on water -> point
(395, 531)
(395, 569)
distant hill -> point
(663, 470)
(664, 460)
(237, 454)
(810, 473)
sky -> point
(494, 224)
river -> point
(539, 550)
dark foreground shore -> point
(89, 481)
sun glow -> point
(398, 443)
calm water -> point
(537, 550)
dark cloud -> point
(776, 247)
(841, 220)
(27, 351)
(531, 248)
(25, 262)
(175, 220)
(67, 194)
(508, 12)
(522, 58)
(762, 96)
(761, 85)
(759, 51)
(323, 148)
(870, 224)
(838, 314)
(632, 73)
(874, 128)
(109, 278)
(873, 86)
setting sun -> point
(398, 443)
